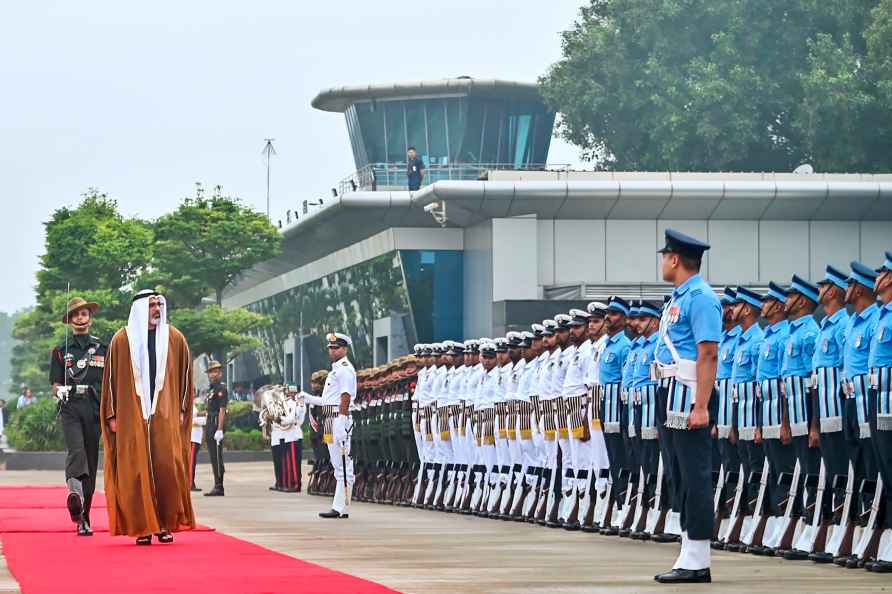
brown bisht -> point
(147, 459)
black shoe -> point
(625, 533)
(664, 538)
(758, 550)
(164, 537)
(685, 576)
(275, 488)
(215, 492)
(880, 567)
(854, 563)
(717, 545)
(144, 540)
(194, 488)
(796, 555)
(610, 531)
(842, 561)
(75, 506)
(821, 557)
(333, 515)
(572, 526)
(83, 529)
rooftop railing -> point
(375, 176)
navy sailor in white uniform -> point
(690, 329)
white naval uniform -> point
(597, 454)
(199, 420)
(503, 452)
(340, 380)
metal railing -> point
(376, 176)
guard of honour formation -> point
(741, 421)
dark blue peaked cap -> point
(649, 309)
(683, 245)
(749, 297)
(775, 291)
(804, 288)
(729, 296)
(835, 277)
(618, 304)
(864, 275)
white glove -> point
(339, 429)
(62, 392)
(218, 436)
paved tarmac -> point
(425, 552)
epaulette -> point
(345, 363)
(697, 291)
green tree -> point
(724, 84)
(208, 242)
(99, 253)
(212, 329)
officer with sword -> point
(337, 397)
(76, 368)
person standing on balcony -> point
(414, 169)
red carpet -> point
(199, 561)
(40, 497)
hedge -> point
(35, 428)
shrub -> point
(238, 439)
(240, 415)
(36, 428)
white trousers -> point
(339, 504)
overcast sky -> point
(143, 100)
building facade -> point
(513, 245)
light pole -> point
(268, 151)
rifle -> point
(644, 505)
(870, 537)
(633, 518)
(754, 525)
(727, 508)
(842, 530)
(656, 513)
(718, 479)
(782, 536)
(731, 535)
(604, 513)
(814, 535)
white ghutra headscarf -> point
(138, 337)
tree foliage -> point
(727, 85)
(213, 240)
(106, 256)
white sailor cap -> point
(515, 339)
(563, 321)
(472, 345)
(487, 348)
(501, 345)
(596, 308)
(336, 339)
(527, 338)
(578, 317)
(538, 330)
(548, 327)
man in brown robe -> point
(146, 413)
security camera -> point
(437, 210)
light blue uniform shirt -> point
(831, 341)
(771, 353)
(693, 316)
(746, 355)
(727, 346)
(881, 346)
(613, 359)
(631, 361)
(641, 373)
(859, 334)
(799, 350)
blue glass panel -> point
(434, 284)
